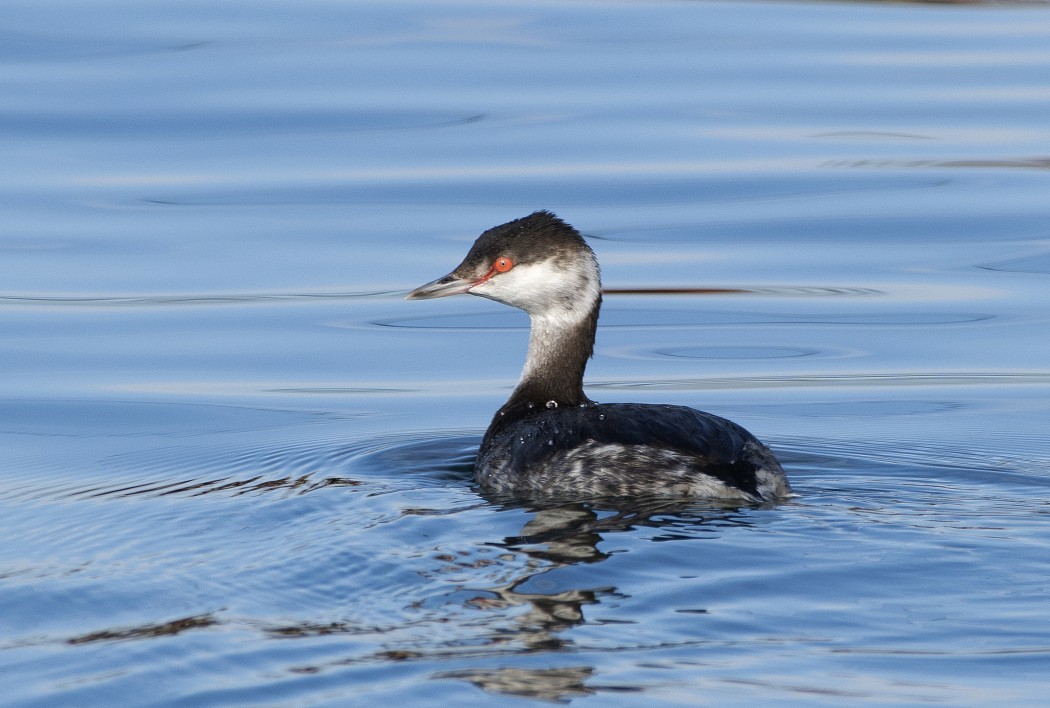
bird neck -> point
(560, 344)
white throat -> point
(561, 300)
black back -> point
(531, 436)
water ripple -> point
(298, 469)
(169, 300)
(663, 318)
(177, 124)
(962, 378)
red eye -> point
(502, 265)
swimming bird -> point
(549, 440)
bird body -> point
(549, 439)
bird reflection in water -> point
(558, 537)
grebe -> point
(549, 440)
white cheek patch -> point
(524, 285)
(544, 289)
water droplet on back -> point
(552, 404)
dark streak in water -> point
(872, 134)
(192, 487)
(147, 631)
(254, 298)
(735, 353)
(694, 318)
(1029, 264)
(1032, 163)
(782, 291)
(676, 291)
(961, 378)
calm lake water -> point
(235, 463)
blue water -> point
(235, 463)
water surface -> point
(235, 465)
